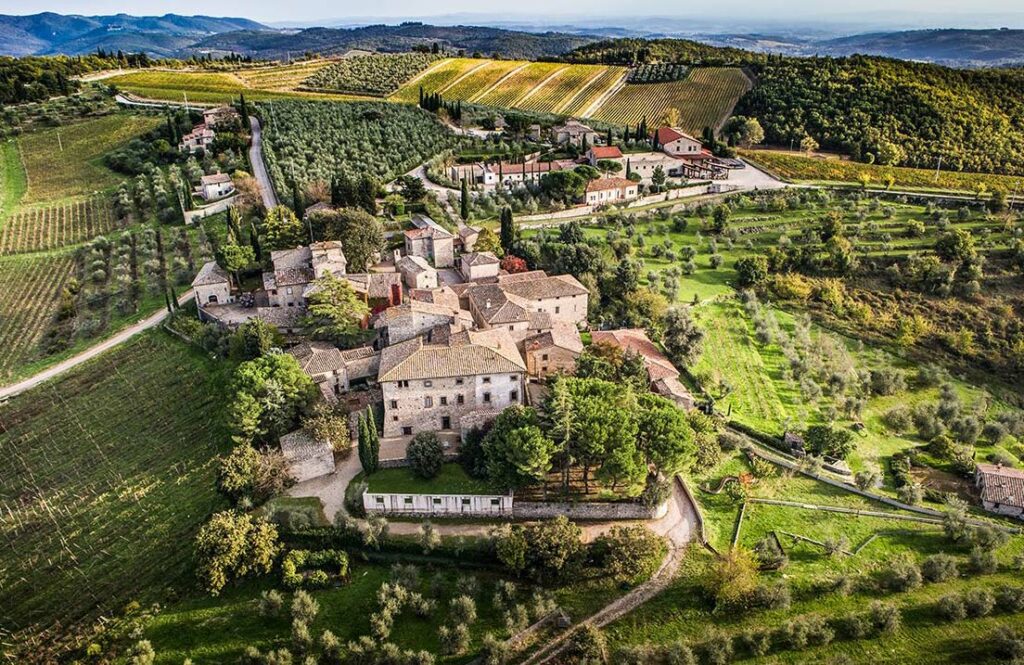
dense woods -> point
(893, 112)
(632, 52)
(35, 78)
(378, 75)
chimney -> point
(398, 256)
(487, 305)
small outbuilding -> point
(306, 457)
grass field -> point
(832, 170)
(545, 87)
(47, 227)
(704, 99)
(12, 177)
(220, 87)
(66, 161)
(28, 302)
(451, 480)
(105, 476)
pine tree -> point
(464, 204)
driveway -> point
(259, 167)
(90, 353)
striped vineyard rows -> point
(44, 228)
(28, 303)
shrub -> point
(911, 494)
(756, 642)
(855, 626)
(899, 419)
(628, 553)
(983, 561)
(1008, 643)
(773, 596)
(304, 607)
(1010, 598)
(793, 634)
(305, 568)
(463, 610)
(884, 617)
(819, 632)
(587, 645)
(902, 575)
(270, 603)
(454, 639)
(770, 555)
(142, 653)
(979, 602)
(951, 607)
(425, 454)
(731, 580)
(717, 649)
(233, 545)
(494, 651)
(939, 568)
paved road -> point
(88, 354)
(259, 167)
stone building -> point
(212, 286)
(552, 352)
(430, 241)
(479, 265)
(662, 374)
(606, 191)
(215, 186)
(1001, 489)
(466, 239)
(306, 457)
(416, 317)
(417, 273)
(334, 370)
(295, 269)
(574, 132)
(430, 383)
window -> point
(408, 500)
(437, 502)
(444, 401)
(428, 401)
(380, 501)
(487, 379)
(513, 378)
(288, 290)
(446, 422)
(544, 357)
(428, 384)
(394, 404)
(459, 399)
(513, 396)
(465, 502)
(458, 382)
(213, 298)
(495, 502)
(403, 384)
(544, 368)
(558, 310)
(487, 398)
(394, 419)
(407, 431)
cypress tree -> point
(464, 203)
(243, 109)
(364, 445)
(508, 230)
(298, 204)
(371, 427)
(254, 240)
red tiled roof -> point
(669, 134)
(604, 184)
(606, 152)
(636, 340)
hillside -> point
(394, 38)
(953, 47)
(50, 34)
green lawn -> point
(12, 177)
(451, 480)
(107, 473)
(67, 161)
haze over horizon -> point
(868, 14)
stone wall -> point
(528, 510)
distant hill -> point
(952, 47)
(509, 43)
(162, 36)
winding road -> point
(259, 167)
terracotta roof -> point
(376, 285)
(1001, 485)
(533, 167)
(464, 354)
(542, 288)
(573, 127)
(358, 353)
(480, 259)
(467, 231)
(297, 257)
(209, 274)
(392, 314)
(494, 306)
(604, 184)
(636, 340)
(425, 227)
(562, 335)
(444, 295)
(215, 179)
(671, 387)
(670, 134)
(318, 357)
(292, 276)
(606, 152)
(414, 264)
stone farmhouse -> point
(465, 239)
(416, 317)
(554, 351)
(598, 153)
(606, 191)
(198, 139)
(296, 269)
(431, 383)
(1001, 489)
(431, 241)
(306, 457)
(215, 186)
(662, 374)
(334, 370)
(526, 303)
(573, 132)
(221, 116)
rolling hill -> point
(50, 34)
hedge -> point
(297, 562)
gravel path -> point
(259, 167)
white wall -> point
(441, 504)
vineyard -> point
(66, 161)
(12, 177)
(42, 228)
(100, 499)
(221, 87)
(376, 75)
(314, 141)
(662, 72)
(704, 99)
(28, 302)
(544, 87)
(281, 77)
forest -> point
(34, 79)
(893, 112)
(635, 52)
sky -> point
(956, 12)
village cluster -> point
(457, 340)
